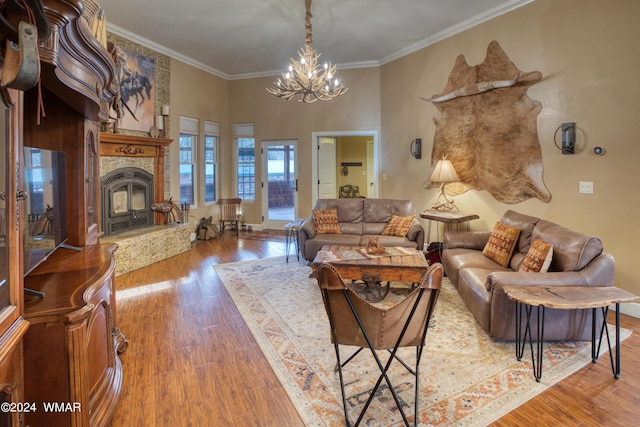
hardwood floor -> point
(192, 361)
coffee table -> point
(368, 272)
(567, 298)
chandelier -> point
(307, 77)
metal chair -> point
(355, 322)
(230, 214)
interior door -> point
(371, 185)
(279, 183)
(327, 168)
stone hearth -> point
(145, 246)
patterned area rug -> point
(466, 379)
(269, 235)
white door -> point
(279, 183)
(327, 168)
(371, 185)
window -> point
(246, 161)
(188, 143)
(37, 180)
(211, 133)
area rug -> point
(268, 235)
(467, 378)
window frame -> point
(244, 131)
(189, 128)
(211, 130)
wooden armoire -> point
(61, 346)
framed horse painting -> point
(136, 75)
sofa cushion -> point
(538, 258)
(326, 221)
(349, 210)
(572, 251)
(398, 225)
(380, 210)
(526, 225)
(501, 242)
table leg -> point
(297, 242)
(287, 238)
(538, 354)
(615, 364)
(616, 370)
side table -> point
(291, 230)
(446, 217)
(567, 298)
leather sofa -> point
(359, 219)
(578, 260)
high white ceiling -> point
(248, 38)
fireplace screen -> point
(127, 196)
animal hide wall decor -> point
(487, 127)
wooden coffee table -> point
(368, 272)
(567, 298)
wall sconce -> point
(416, 148)
(568, 138)
(444, 172)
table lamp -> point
(444, 172)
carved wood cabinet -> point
(64, 347)
(70, 350)
(12, 324)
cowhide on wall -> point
(487, 127)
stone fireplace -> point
(133, 178)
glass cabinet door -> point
(4, 200)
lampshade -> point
(444, 172)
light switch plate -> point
(586, 187)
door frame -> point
(314, 158)
(276, 224)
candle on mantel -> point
(160, 122)
(165, 110)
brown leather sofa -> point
(578, 260)
(360, 219)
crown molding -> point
(164, 50)
(453, 30)
(456, 29)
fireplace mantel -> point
(118, 145)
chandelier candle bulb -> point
(307, 78)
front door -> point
(279, 183)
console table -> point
(567, 298)
(446, 217)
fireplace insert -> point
(127, 196)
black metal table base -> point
(537, 355)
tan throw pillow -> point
(538, 258)
(326, 221)
(398, 225)
(501, 242)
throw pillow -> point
(538, 258)
(398, 225)
(326, 221)
(501, 242)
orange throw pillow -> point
(501, 242)
(398, 225)
(326, 221)
(538, 258)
